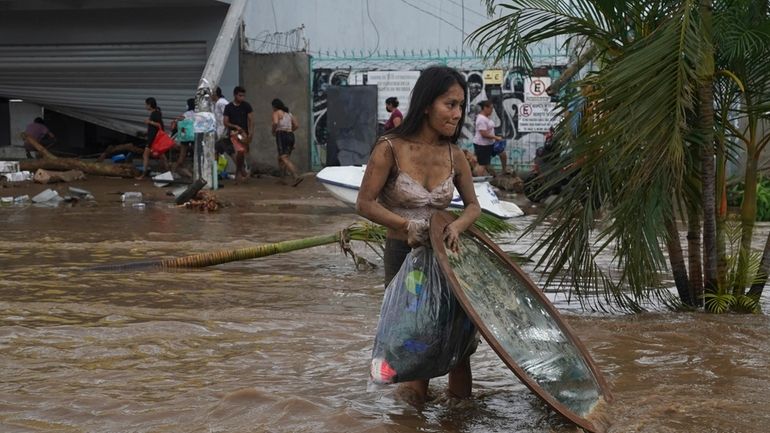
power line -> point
(275, 18)
(434, 15)
(468, 9)
(377, 46)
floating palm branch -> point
(372, 235)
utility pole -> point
(205, 167)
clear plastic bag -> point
(423, 331)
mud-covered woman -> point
(411, 174)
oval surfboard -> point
(522, 326)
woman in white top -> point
(485, 138)
(284, 125)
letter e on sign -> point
(537, 87)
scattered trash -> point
(191, 192)
(19, 176)
(163, 179)
(49, 197)
(177, 191)
(204, 201)
(81, 194)
(9, 166)
(45, 176)
(131, 197)
(21, 199)
(204, 122)
(118, 158)
(6, 201)
(138, 205)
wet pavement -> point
(282, 344)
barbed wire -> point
(278, 42)
(418, 59)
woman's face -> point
(389, 108)
(444, 113)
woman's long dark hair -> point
(433, 82)
(152, 103)
(278, 104)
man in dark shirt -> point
(239, 119)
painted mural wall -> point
(522, 111)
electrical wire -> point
(469, 9)
(433, 15)
(275, 18)
(377, 32)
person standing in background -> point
(154, 124)
(391, 104)
(485, 138)
(183, 125)
(239, 119)
(220, 102)
(284, 125)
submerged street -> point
(282, 344)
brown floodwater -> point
(282, 344)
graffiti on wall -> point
(322, 79)
(522, 112)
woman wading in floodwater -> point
(410, 175)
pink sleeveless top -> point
(408, 198)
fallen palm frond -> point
(370, 234)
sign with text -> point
(493, 77)
(390, 83)
(536, 113)
(534, 89)
(536, 117)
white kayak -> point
(343, 184)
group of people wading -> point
(234, 132)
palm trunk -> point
(721, 218)
(748, 216)
(676, 259)
(764, 269)
(52, 162)
(706, 128)
(694, 255)
(225, 256)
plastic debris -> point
(81, 193)
(204, 122)
(9, 166)
(163, 179)
(131, 196)
(19, 176)
(48, 196)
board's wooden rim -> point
(437, 224)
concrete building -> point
(92, 63)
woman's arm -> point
(463, 181)
(488, 134)
(377, 171)
(294, 124)
(276, 119)
(397, 121)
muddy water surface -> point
(282, 344)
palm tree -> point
(648, 135)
